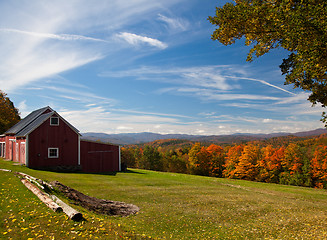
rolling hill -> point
(137, 138)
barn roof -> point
(33, 120)
(37, 122)
(30, 118)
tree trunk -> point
(5, 170)
(70, 212)
(37, 181)
(42, 196)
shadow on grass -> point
(132, 171)
(114, 173)
(63, 169)
(92, 173)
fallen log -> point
(101, 206)
(5, 170)
(37, 181)
(41, 195)
(70, 212)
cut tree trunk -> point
(70, 212)
(5, 170)
(37, 181)
(41, 195)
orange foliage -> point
(292, 161)
(270, 164)
(319, 167)
(286, 160)
(247, 165)
(232, 159)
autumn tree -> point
(175, 161)
(217, 160)
(232, 159)
(203, 162)
(299, 26)
(247, 166)
(193, 158)
(270, 164)
(128, 157)
(296, 166)
(319, 167)
(152, 159)
(9, 115)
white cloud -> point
(221, 77)
(137, 40)
(24, 68)
(175, 23)
(300, 97)
(149, 113)
(213, 95)
(124, 128)
(205, 76)
(266, 120)
(40, 39)
(228, 85)
(99, 119)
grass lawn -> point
(172, 206)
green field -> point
(173, 206)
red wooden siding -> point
(22, 152)
(14, 148)
(47, 136)
(19, 150)
(29, 141)
(9, 147)
(99, 157)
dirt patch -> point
(97, 205)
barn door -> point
(11, 149)
(22, 153)
(17, 151)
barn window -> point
(53, 152)
(54, 121)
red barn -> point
(45, 140)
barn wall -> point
(21, 150)
(99, 157)
(12, 148)
(46, 136)
(17, 150)
(9, 148)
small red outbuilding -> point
(45, 140)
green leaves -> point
(9, 115)
(299, 26)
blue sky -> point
(143, 66)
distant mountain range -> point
(137, 138)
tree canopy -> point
(9, 115)
(299, 26)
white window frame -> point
(54, 124)
(49, 150)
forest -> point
(289, 160)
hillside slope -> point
(173, 206)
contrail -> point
(64, 37)
(263, 82)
